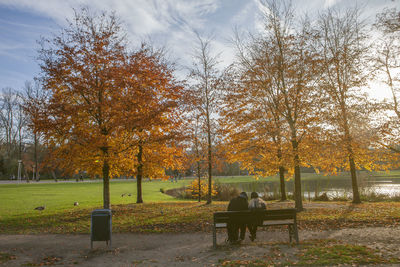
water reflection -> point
(334, 188)
(386, 189)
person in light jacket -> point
(255, 204)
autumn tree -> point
(13, 124)
(34, 96)
(253, 128)
(151, 108)
(203, 82)
(343, 50)
(280, 79)
(80, 69)
(389, 21)
(196, 149)
(388, 50)
(387, 62)
(9, 103)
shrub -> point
(322, 197)
(267, 195)
(178, 193)
(193, 189)
(226, 192)
(340, 198)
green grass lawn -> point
(160, 213)
(21, 199)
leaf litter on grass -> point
(5, 257)
(315, 253)
(195, 217)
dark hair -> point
(243, 195)
(254, 195)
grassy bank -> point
(19, 200)
(186, 216)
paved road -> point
(189, 249)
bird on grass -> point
(76, 204)
(40, 208)
(123, 194)
(129, 194)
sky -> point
(167, 23)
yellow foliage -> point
(193, 188)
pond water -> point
(338, 187)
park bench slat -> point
(280, 222)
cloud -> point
(157, 19)
(245, 14)
(142, 16)
(7, 24)
(330, 3)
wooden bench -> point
(268, 217)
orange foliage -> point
(104, 102)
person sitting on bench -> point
(238, 203)
(256, 204)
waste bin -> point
(100, 226)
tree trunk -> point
(297, 176)
(297, 187)
(106, 180)
(209, 158)
(281, 177)
(209, 170)
(26, 174)
(36, 156)
(54, 175)
(349, 141)
(356, 193)
(139, 175)
(199, 177)
(139, 198)
(33, 173)
(282, 182)
(20, 145)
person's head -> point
(243, 195)
(254, 195)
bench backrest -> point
(248, 216)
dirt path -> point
(173, 249)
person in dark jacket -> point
(256, 204)
(238, 203)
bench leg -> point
(296, 233)
(214, 238)
(290, 228)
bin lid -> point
(102, 211)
